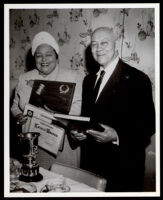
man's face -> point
(45, 58)
(103, 46)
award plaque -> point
(52, 95)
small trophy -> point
(30, 168)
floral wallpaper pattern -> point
(72, 28)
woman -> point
(45, 51)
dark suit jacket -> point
(126, 105)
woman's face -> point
(46, 59)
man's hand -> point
(108, 135)
(78, 136)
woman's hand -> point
(108, 135)
(21, 119)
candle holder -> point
(30, 167)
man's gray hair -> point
(105, 28)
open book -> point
(46, 115)
(71, 117)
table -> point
(54, 178)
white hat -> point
(44, 38)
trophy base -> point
(37, 178)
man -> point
(124, 108)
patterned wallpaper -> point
(134, 28)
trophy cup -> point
(30, 168)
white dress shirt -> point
(108, 72)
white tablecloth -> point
(75, 186)
(51, 178)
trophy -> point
(30, 168)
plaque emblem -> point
(63, 89)
(40, 89)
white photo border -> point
(7, 7)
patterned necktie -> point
(96, 89)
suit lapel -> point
(117, 76)
(92, 81)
